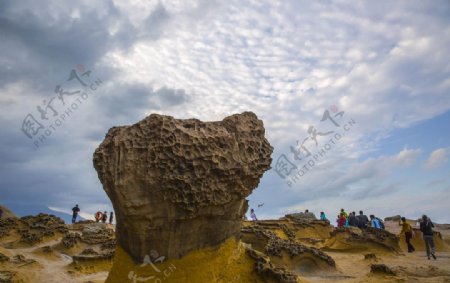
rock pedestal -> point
(180, 185)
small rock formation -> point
(381, 268)
(96, 233)
(6, 225)
(351, 238)
(267, 270)
(7, 276)
(370, 256)
(7, 213)
(278, 250)
(69, 240)
(90, 254)
(21, 260)
(301, 216)
(3, 257)
(32, 229)
(180, 185)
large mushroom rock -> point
(180, 185)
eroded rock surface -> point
(268, 242)
(346, 238)
(180, 185)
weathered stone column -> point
(180, 185)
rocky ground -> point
(317, 252)
(43, 249)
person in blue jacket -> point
(375, 222)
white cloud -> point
(437, 158)
(405, 157)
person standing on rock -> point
(111, 216)
(323, 216)
(253, 215)
(426, 226)
(98, 216)
(407, 230)
(352, 220)
(75, 211)
(341, 220)
(343, 213)
(362, 220)
(375, 222)
(105, 216)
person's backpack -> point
(428, 230)
(381, 223)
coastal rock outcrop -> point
(180, 185)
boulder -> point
(180, 185)
(381, 268)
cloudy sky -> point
(354, 95)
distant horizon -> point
(67, 217)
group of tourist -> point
(361, 221)
(103, 217)
(345, 219)
(99, 216)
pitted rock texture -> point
(264, 267)
(180, 185)
(270, 244)
(344, 238)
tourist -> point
(362, 220)
(341, 220)
(381, 223)
(253, 215)
(352, 220)
(105, 216)
(407, 230)
(111, 216)
(426, 226)
(344, 213)
(322, 216)
(374, 222)
(75, 211)
(1, 212)
(98, 216)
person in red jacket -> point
(341, 220)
